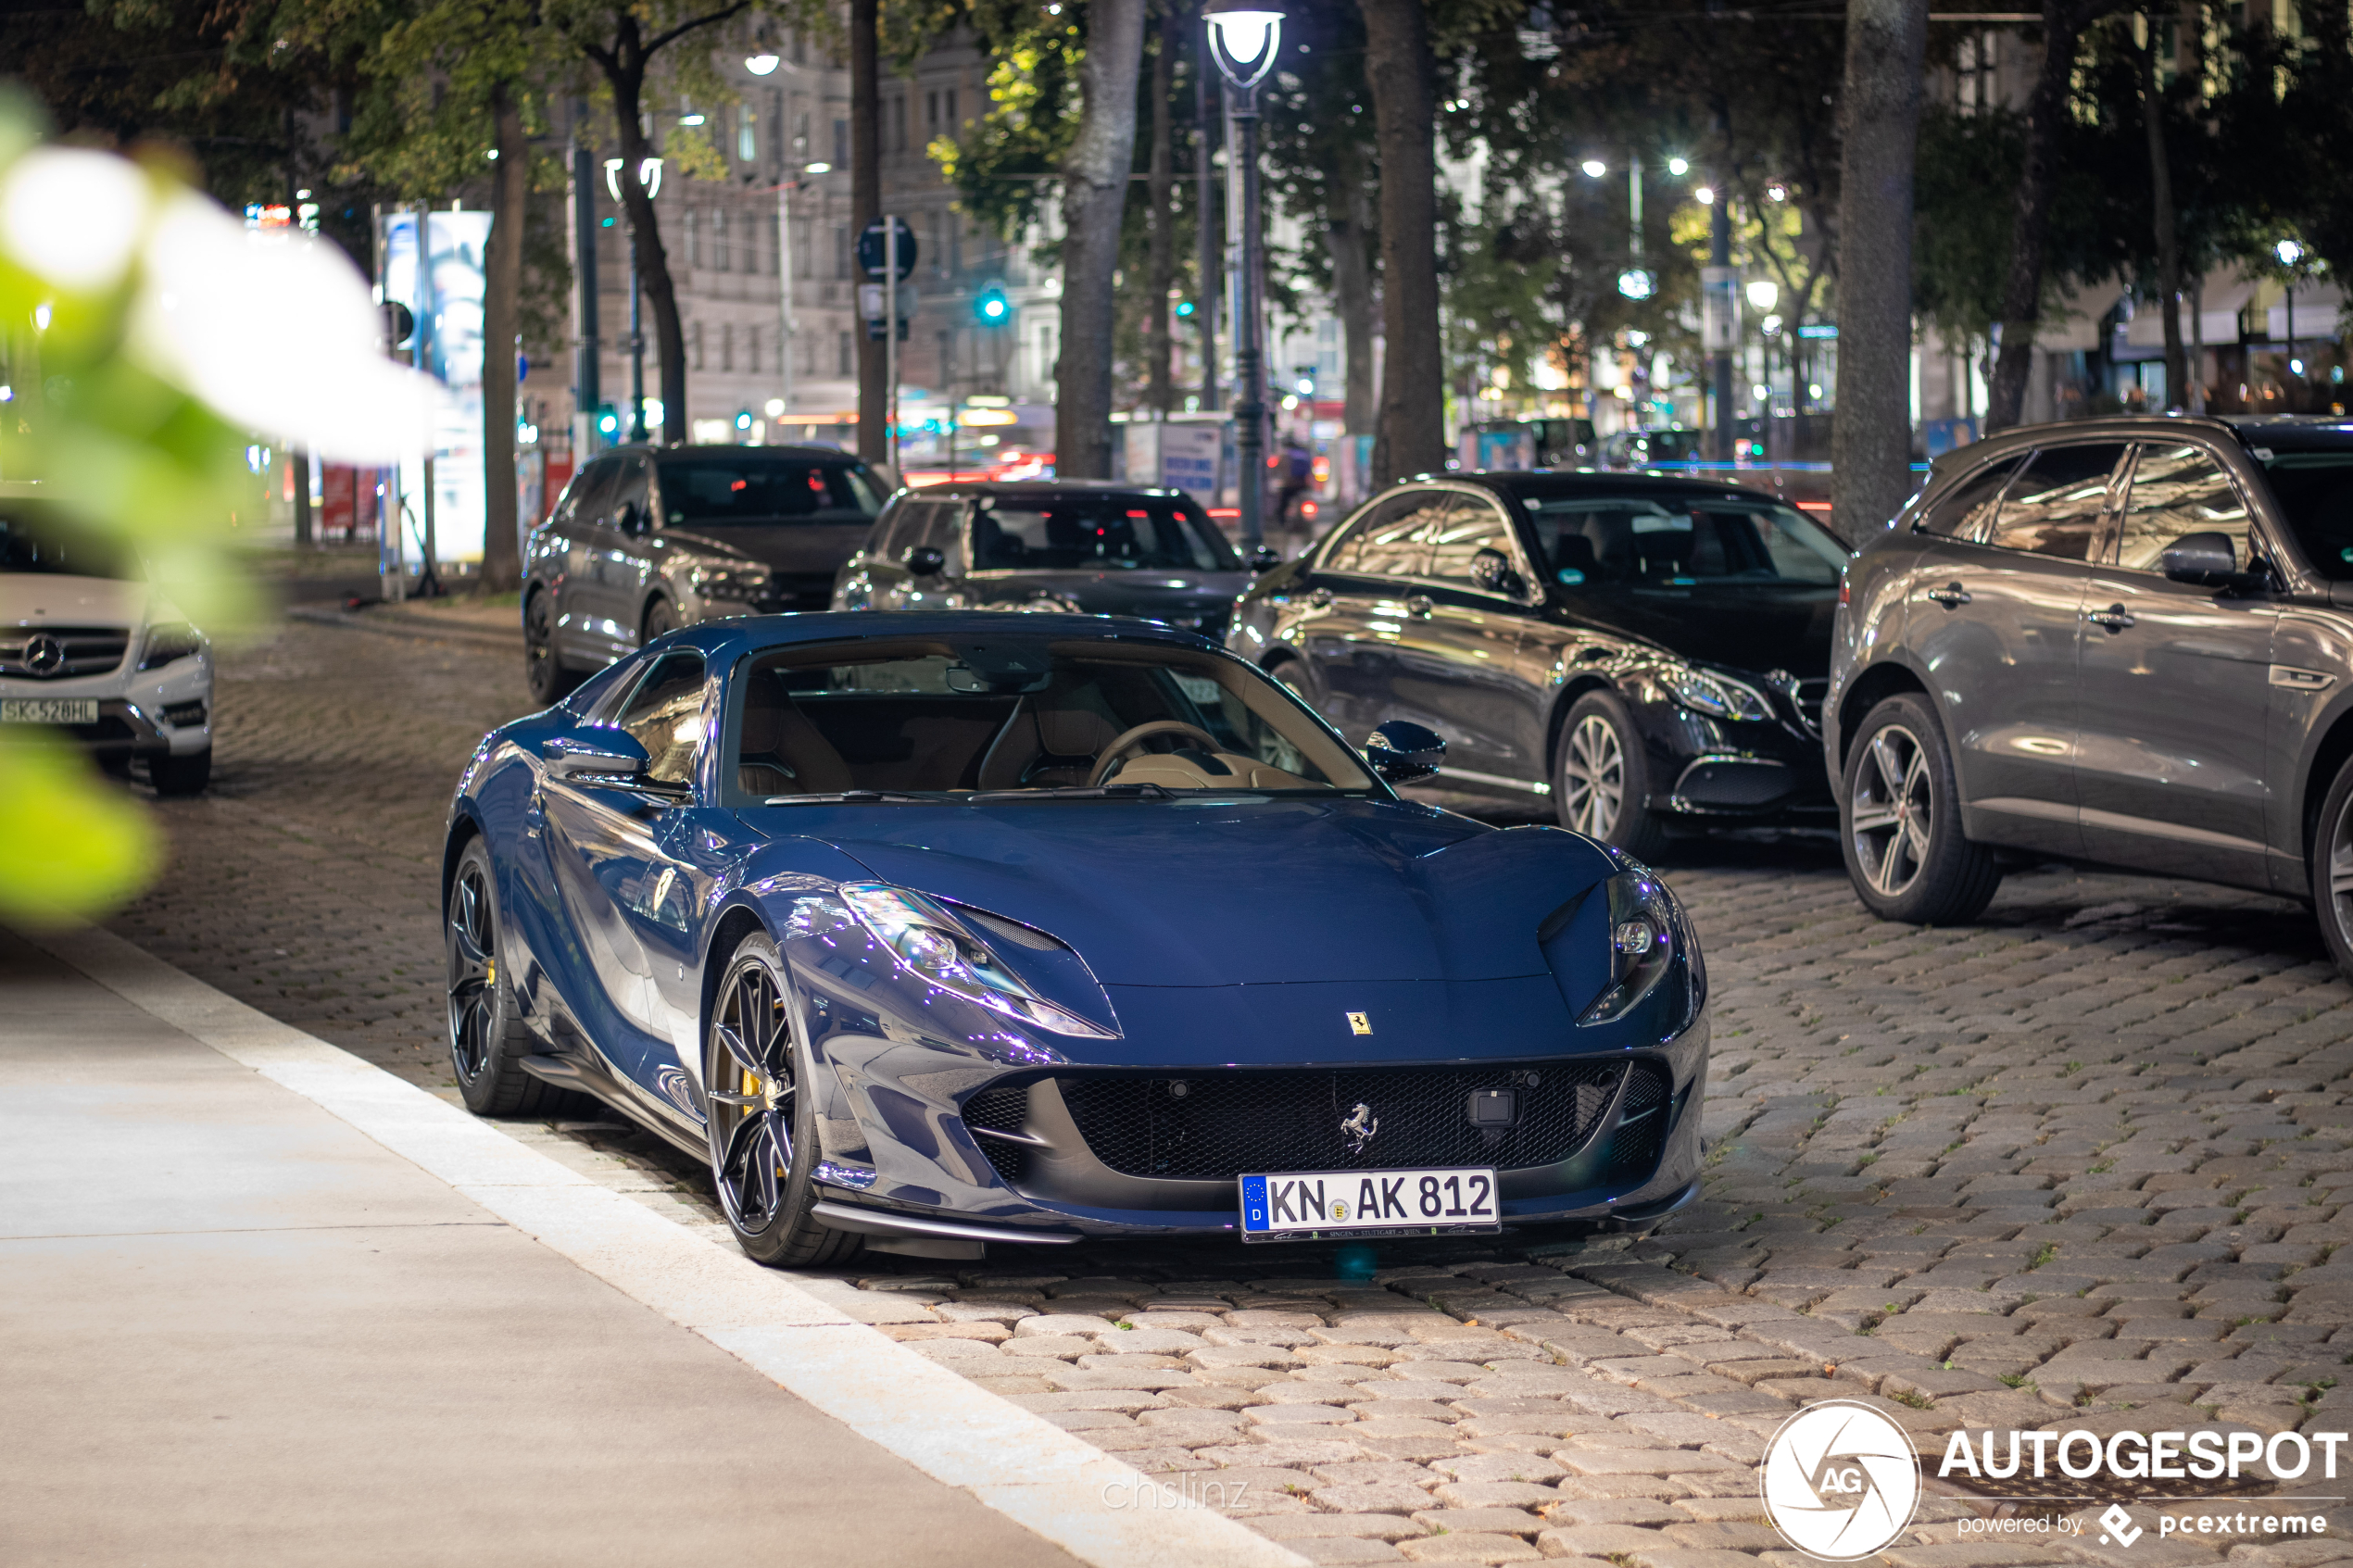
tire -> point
(181, 775)
(1292, 675)
(762, 1129)
(544, 667)
(486, 1039)
(2332, 856)
(1601, 778)
(661, 617)
(1900, 822)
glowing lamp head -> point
(761, 64)
(1245, 38)
(1764, 294)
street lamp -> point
(1764, 294)
(648, 181)
(761, 64)
(1244, 38)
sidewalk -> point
(244, 1330)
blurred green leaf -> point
(76, 846)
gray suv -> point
(2123, 641)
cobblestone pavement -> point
(2080, 1165)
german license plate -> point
(48, 710)
(1338, 1205)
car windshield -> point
(968, 720)
(2312, 475)
(737, 487)
(1093, 532)
(34, 540)
(1668, 541)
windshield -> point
(2313, 484)
(1094, 532)
(737, 487)
(33, 540)
(1617, 542)
(953, 720)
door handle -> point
(2115, 617)
(1952, 596)
(1320, 598)
(1418, 606)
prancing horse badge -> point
(1360, 1022)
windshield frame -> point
(1321, 745)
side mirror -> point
(1265, 559)
(1401, 752)
(630, 519)
(925, 560)
(599, 753)
(2207, 560)
(1491, 572)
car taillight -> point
(1842, 587)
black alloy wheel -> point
(1901, 822)
(486, 1039)
(2331, 849)
(181, 775)
(543, 666)
(1601, 778)
(763, 1130)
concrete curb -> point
(1048, 1480)
(397, 625)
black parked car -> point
(1088, 546)
(647, 538)
(1645, 651)
(2123, 641)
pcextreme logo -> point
(1841, 1481)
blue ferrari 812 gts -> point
(932, 930)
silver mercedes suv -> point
(2123, 641)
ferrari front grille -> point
(1220, 1124)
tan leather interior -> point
(783, 753)
(1195, 770)
(1047, 744)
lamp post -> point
(648, 176)
(1245, 39)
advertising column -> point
(447, 300)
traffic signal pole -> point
(588, 374)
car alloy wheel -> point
(751, 1095)
(2332, 851)
(763, 1140)
(475, 1012)
(1893, 811)
(542, 669)
(1593, 777)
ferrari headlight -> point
(1645, 928)
(723, 582)
(1719, 695)
(169, 642)
(939, 949)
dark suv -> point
(2124, 641)
(1645, 652)
(646, 538)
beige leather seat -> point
(1048, 744)
(783, 753)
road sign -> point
(872, 307)
(871, 249)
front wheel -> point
(2332, 852)
(1601, 779)
(542, 666)
(486, 1039)
(762, 1127)
(661, 619)
(1901, 823)
(181, 775)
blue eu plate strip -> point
(1253, 1203)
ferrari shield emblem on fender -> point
(1360, 1022)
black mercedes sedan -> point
(1646, 652)
(648, 538)
(1092, 546)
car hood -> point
(34, 598)
(1152, 594)
(1201, 893)
(783, 547)
(1739, 629)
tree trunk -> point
(1350, 239)
(1879, 116)
(2022, 292)
(501, 316)
(865, 207)
(2168, 234)
(627, 75)
(1094, 201)
(1411, 436)
(1160, 394)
